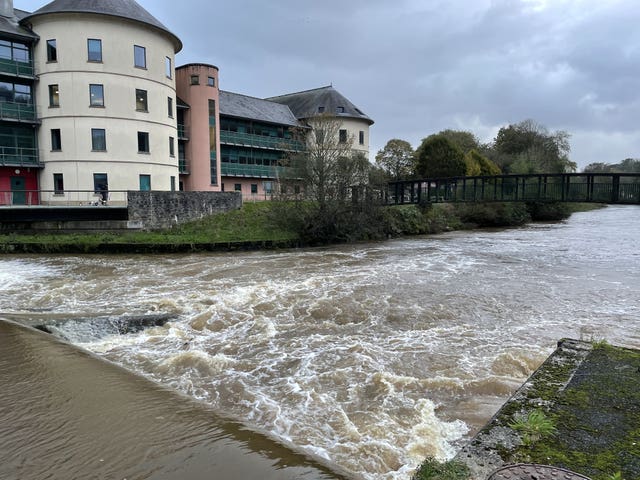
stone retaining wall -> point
(157, 210)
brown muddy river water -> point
(365, 358)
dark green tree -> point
(478, 164)
(463, 139)
(528, 147)
(437, 157)
(397, 159)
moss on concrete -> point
(592, 395)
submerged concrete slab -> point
(590, 394)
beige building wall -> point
(354, 127)
(120, 116)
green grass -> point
(433, 470)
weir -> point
(68, 414)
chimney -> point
(6, 8)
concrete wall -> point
(155, 210)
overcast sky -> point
(420, 66)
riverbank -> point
(578, 411)
(267, 225)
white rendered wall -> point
(75, 118)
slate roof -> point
(10, 26)
(320, 100)
(128, 9)
(243, 106)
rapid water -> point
(371, 356)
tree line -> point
(522, 148)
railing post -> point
(615, 190)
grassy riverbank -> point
(277, 225)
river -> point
(368, 357)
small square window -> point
(145, 183)
(58, 184)
(143, 142)
(254, 188)
(195, 79)
(52, 51)
(237, 187)
(172, 147)
(56, 140)
(96, 95)
(320, 109)
(342, 136)
(339, 109)
(211, 81)
(168, 67)
(141, 101)
(95, 50)
(54, 96)
(139, 56)
(98, 140)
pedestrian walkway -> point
(535, 472)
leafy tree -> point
(478, 164)
(437, 157)
(528, 147)
(396, 158)
(464, 140)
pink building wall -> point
(197, 149)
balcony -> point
(183, 132)
(19, 157)
(254, 171)
(16, 68)
(259, 141)
(183, 166)
(21, 112)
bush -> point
(549, 212)
(493, 214)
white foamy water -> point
(372, 356)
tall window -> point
(143, 142)
(56, 140)
(54, 96)
(101, 185)
(145, 183)
(342, 136)
(139, 56)
(211, 81)
(168, 67)
(141, 101)
(98, 139)
(95, 50)
(170, 106)
(361, 137)
(96, 95)
(58, 184)
(173, 183)
(172, 147)
(52, 51)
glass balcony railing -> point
(183, 166)
(183, 132)
(19, 157)
(259, 171)
(19, 69)
(22, 112)
(259, 141)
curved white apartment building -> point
(106, 98)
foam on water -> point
(372, 356)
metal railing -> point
(19, 157)
(183, 166)
(575, 187)
(22, 112)
(260, 141)
(63, 198)
(258, 171)
(183, 132)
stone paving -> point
(535, 472)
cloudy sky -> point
(420, 66)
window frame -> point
(98, 140)
(361, 137)
(99, 89)
(145, 186)
(343, 136)
(172, 147)
(54, 95)
(56, 140)
(168, 67)
(98, 58)
(170, 106)
(52, 50)
(58, 184)
(142, 100)
(211, 81)
(136, 50)
(144, 142)
(194, 80)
